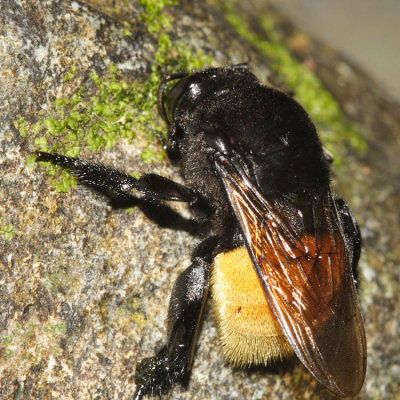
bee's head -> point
(190, 88)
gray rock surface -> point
(84, 287)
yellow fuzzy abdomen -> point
(247, 327)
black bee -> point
(279, 253)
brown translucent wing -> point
(307, 280)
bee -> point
(279, 252)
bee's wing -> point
(307, 280)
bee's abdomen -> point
(247, 327)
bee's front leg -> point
(120, 186)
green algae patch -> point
(60, 279)
(335, 130)
(32, 342)
(127, 314)
(7, 230)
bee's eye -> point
(173, 98)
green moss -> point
(308, 89)
(72, 73)
(21, 125)
(109, 108)
(154, 14)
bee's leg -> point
(351, 232)
(119, 185)
(173, 363)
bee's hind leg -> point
(173, 363)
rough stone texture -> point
(84, 287)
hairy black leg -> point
(351, 232)
(156, 375)
(119, 185)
